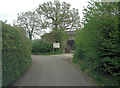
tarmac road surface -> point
(54, 70)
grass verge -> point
(98, 78)
(48, 53)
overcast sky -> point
(10, 8)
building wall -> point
(70, 45)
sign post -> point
(56, 45)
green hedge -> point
(16, 54)
(39, 46)
(97, 44)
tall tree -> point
(31, 22)
(57, 16)
(102, 10)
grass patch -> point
(48, 53)
(98, 78)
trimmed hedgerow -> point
(16, 54)
(39, 46)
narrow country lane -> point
(53, 70)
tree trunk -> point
(30, 36)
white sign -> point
(56, 45)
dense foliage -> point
(49, 15)
(97, 44)
(58, 15)
(31, 22)
(56, 36)
(39, 46)
(16, 54)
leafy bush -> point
(16, 54)
(97, 44)
(39, 46)
(57, 36)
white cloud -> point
(10, 8)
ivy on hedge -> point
(16, 53)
